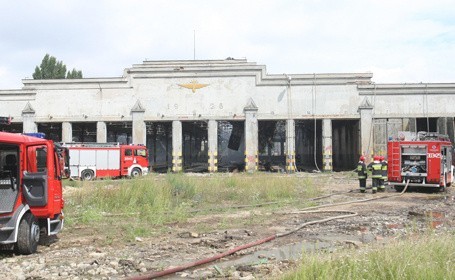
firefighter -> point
(362, 174)
(376, 172)
(384, 173)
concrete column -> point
(177, 146)
(366, 129)
(450, 129)
(327, 144)
(139, 128)
(28, 123)
(28, 119)
(413, 125)
(101, 132)
(213, 145)
(446, 126)
(67, 132)
(251, 136)
(290, 146)
(441, 125)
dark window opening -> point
(13, 127)
(272, 142)
(119, 132)
(345, 144)
(427, 124)
(84, 132)
(195, 146)
(308, 152)
(53, 131)
(231, 146)
(159, 145)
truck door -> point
(446, 164)
(127, 159)
(35, 176)
(9, 177)
(141, 157)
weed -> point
(137, 207)
(428, 257)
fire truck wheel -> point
(87, 175)
(136, 172)
(28, 235)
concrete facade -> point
(234, 90)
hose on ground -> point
(347, 214)
(359, 201)
(161, 273)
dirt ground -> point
(82, 254)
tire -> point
(136, 172)
(87, 175)
(28, 235)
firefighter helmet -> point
(362, 158)
(377, 158)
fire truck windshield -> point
(140, 152)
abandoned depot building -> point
(225, 115)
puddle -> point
(292, 251)
(286, 252)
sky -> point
(399, 41)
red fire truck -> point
(424, 159)
(100, 160)
(31, 199)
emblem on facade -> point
(193, 85)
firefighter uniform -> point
(376, 173)
(384, 174)
(362, 174)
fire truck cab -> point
(31, 199)
(424, 159)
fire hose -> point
(347, 214)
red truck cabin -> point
(30, 191)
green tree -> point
(74, 74)
(50, 68)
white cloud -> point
(400, 41)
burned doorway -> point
(427, 124)
(84, 132)
(345, 144)
(12, 127)
(195, 146)
(119, 132)
(272, 140)
(308, 145)
(231, 146)
(159, 145)
(52, 131)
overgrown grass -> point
(153, 201)
(425, 257)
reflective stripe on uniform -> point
(376, 171)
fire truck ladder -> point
(395, 164)
(91, 145)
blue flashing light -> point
(36, 134)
